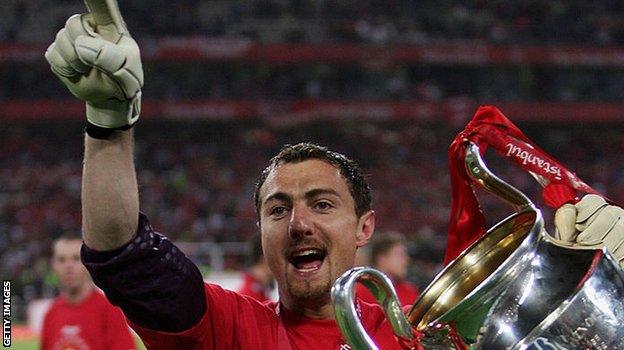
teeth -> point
(306, 252)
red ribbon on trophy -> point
(490, 128)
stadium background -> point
(228, 82)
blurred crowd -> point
(353, 81)
(365, 21)
(197, 179)
(386, 23)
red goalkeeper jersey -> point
(163, 295)
(89, 325)
(241, 322)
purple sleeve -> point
(151, 280)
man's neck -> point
(77, 295)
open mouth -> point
(307, 260)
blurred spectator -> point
(81, 317)
(257, 278)
(388, 254)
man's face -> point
(67, 266)
(394, 262)
(310, 231)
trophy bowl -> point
(493, 259)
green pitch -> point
(34, 344)
(25, 345)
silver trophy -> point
(514, 288)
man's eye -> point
(323, 205)
(277, 211)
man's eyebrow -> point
(321, 191)
(279, 196)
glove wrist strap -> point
(100, 133)
(112, 113)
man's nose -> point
(300, 221)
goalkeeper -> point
(313, 210)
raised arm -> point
(110, 200)
(95, 57)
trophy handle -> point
(346, 312)
(481, 174)
(489, 260)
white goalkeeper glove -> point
(107, 75)
(592, 222)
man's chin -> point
(310, 292)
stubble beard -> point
(310, 290)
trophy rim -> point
(501, 244)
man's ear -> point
(366, 227)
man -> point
(257, 279)
(313, 206)
(388, 254)
(80, 317)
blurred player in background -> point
(313, 205)
(257, 279)
(388, 254)
(81, 317)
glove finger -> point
(77, 26)
(614, 240)
(565, 220)
(100, 86)
(130, 77)
(129, 82)
(65, 47)
(601, 225)
(58, 64)
(615, 245)
(100, 53)
(588, 206)
(617, 249)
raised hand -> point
(100, 63)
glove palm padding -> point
(107, 75)
(592, 222)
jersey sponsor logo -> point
(70, 339)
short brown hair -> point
(69, 236)
(350, 170)
(65, 236)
